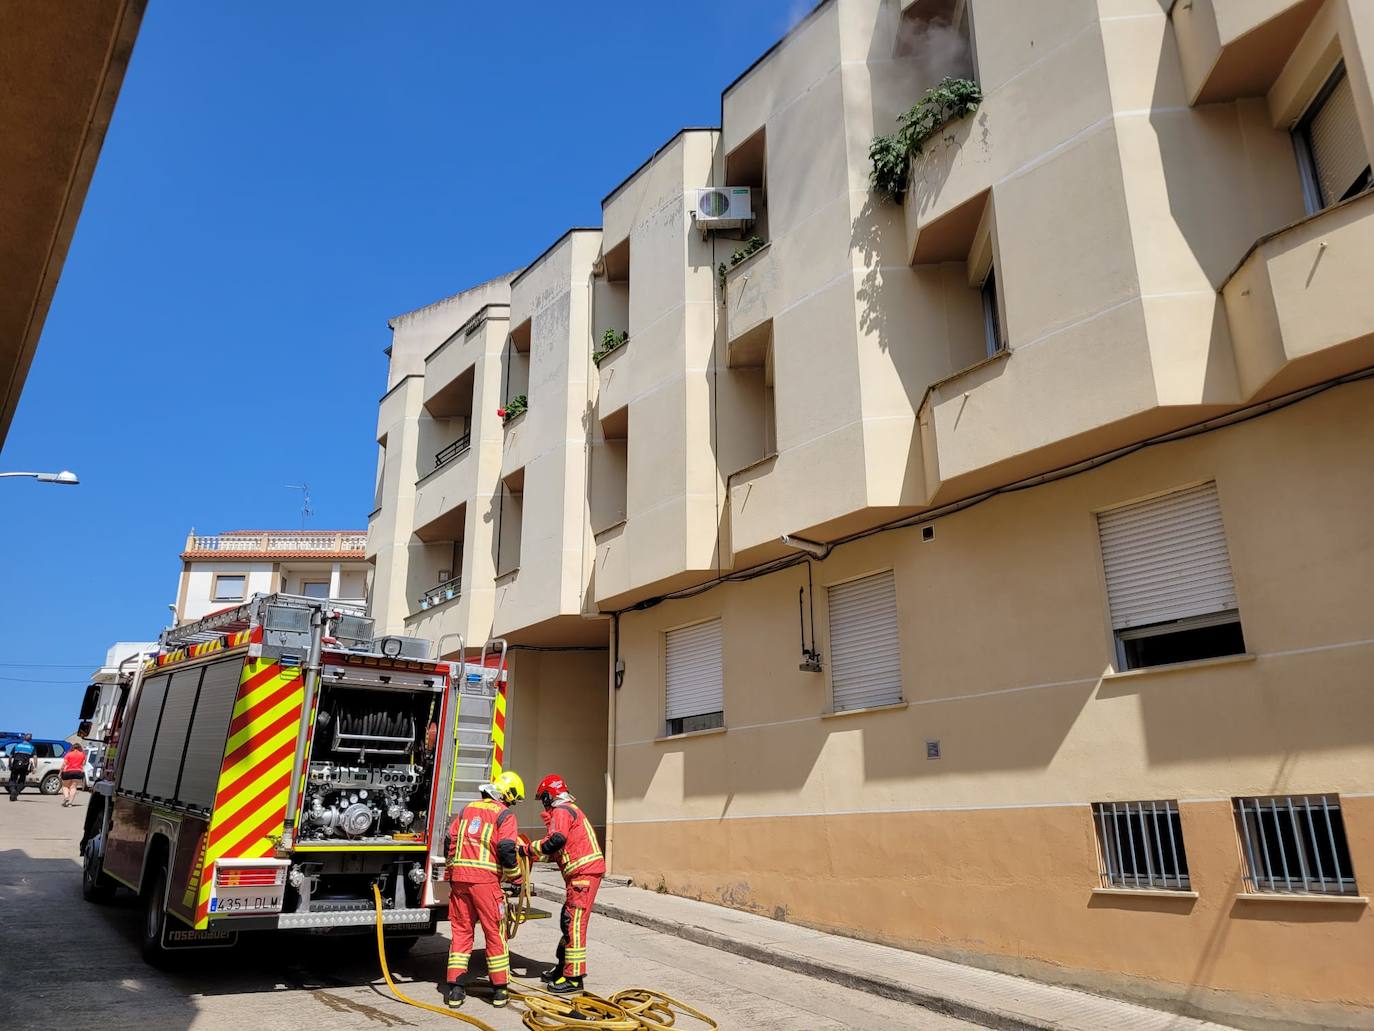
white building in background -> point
(220, 570)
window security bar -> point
(1295, 844)
(1140, 845)
(455, 450)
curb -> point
(949, 1007)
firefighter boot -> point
(566, 986)
(456, 996)
(498, 996)
(552, 974)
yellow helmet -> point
(508, 787)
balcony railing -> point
(325, 542)
(455, 450)
(446, 591)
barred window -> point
(1295, 844)
(1140, 845)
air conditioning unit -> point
(722, 207)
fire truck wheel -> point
(154, 916)
(50, 785)
(95, 886)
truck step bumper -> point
(356, 918)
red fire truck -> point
(273, 761)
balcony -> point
(450, 484)
(1301, 299)
(449, 590)
(277, 544)
(613, 392)
(1236, 48)
(752, 295)
(453, 451)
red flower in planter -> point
(500, 413)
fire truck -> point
(271, 762)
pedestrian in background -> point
(21, 760)
(73, 773)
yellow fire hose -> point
(632, 1009)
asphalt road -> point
(66, 962)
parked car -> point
(46, 773)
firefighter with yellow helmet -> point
(481, 851)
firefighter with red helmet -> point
(482, 851)
(571, 840)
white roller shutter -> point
(865, 656)
(694, 679)
(1166, 559)
(1338, 150)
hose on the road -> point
(631, 1009)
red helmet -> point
(550, 788)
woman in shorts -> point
(73, 773)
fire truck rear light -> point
(248, 876)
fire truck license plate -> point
(245, 900)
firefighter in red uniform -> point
(481, 852)
(571, 840)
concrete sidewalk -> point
(967, 993)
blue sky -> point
(277, 181)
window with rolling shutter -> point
(865, 656)
(695, 693)
(1169, 584)
(1330, 145)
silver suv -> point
(45, 773)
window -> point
(1169, 583)
(1330, 148)
(865, 660)
(315, 588)
(49, 750)
(228, 588)
(1295, 844)
(992, 318)
(695, 693)
(510, 523)
(1140, 845)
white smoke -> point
(935, 48)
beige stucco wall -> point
(556, 723)
(1006, 659)
(549, 443)
(413, 495)
(673, 492)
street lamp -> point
(65, 476)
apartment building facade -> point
(987, 571)
(481, 532)
(224, 569)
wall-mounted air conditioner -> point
(722, 207)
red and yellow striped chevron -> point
(197, 651)
(498, 727)
(250, 801)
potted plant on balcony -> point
(891, 155)
(517, 405)
(611, 341)
(751, 246)
(424, 603)
(448, 593)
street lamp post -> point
(65, 476)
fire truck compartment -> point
(370, 774)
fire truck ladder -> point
(242, 617)
(474, 745)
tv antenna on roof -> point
(306, 510)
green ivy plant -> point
(891, 155)
(610, 341)
(751, 246)
(517, 405)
